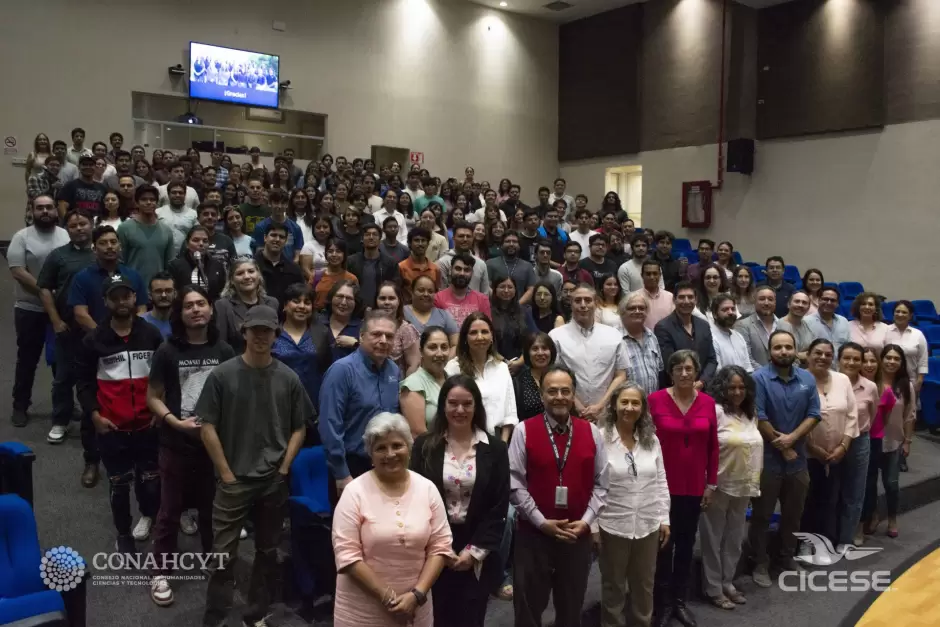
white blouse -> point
(636, 504)
(315, 249)
(740, 454)
(499, 396)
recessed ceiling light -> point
(504, 4)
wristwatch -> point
(420, 596)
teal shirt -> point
(147, 248)
(421, 382)
(424, 201)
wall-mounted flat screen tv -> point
(236, 76)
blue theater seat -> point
(850, 289)
(930, 402)
(682, 245)
(925, 311)
(887, 310)
(24, 598)
(791, 274)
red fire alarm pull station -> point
(697, 204)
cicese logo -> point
(823, 554)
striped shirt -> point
(644, 360)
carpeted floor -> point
(70, 515)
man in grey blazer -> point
(757, 327)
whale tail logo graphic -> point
(825, 555)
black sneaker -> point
(20, 418)
(125, 545)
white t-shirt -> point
(499, 395)
(191, 201)
(584, 240)
(315, 249)
(179, 222)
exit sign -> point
(416, 157)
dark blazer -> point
(181, 269)
(672, 337)
(388, 268)
(489, 501)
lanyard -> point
(559, 463)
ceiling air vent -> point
(558, 6)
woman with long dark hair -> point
(195, 266)
(143, 170)
(740, 461)
(891, 433)
(478, 358)
(471, 471)
(113, 213)
(725, 260)
(712, 281)
(313, 255)
(299, 210)
(813, 282)
(538, 354)
(511, 321)
(635, 523)
(404, 351)
(608, 302)
(742, 290)
(234, 228)
(342, 316)
(546, 308)
(502, 191)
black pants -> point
(888, 464)
(265, 500)
(674, 562)
(130, 457)
(63, 403)
(543, 566)
(30, 329)
(821, 512)
(459, 598)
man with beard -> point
(463, 243)
(54, 282)
(122, 167)
(787, 410)
(571, 269)
(175, 214)
(594, 353)
(178, 175)
(417, 263)
(673, 269)
(179, 370)
(826, 323)
(509, 264)
(29, 248)
(615, 251)
(730, 346)
(113, 368)
(278, 271)
(558, 484)
(681, 330)
(459, 300)
(254, 413)
(162, 294)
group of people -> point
(501, 391)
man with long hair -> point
(178, 372)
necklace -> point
(508, 268)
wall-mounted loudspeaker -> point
(740, 156)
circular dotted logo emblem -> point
(62, 568)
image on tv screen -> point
(230, 75)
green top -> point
(252, 215)
(421, 382)
(255, 411)
(147, 248)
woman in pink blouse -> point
(828, 443)
(470, 470)
(855, 473)
(390, 536)
(867, 329)
(687, 427)
(891, 432)
(405, 352)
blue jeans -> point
(889, 465)
(854, 479)
(505, 547)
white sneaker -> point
(244, 534)
(142, 529)
(263, 622)
(188, 523)
(57, 434)
(160, 591)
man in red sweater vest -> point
(558, 484)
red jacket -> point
(113, 373)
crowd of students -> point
(502, 390)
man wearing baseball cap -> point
(113, 370)
(254, 411)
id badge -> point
(561, 497)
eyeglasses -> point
(630, 460)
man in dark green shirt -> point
(253, 211)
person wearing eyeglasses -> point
(687, 426)
(634, 526)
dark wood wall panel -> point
(912, 61)
(597, 85)
(821, 67)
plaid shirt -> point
(644, 361)
(221, 177)
(42, 183)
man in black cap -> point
(254, 411)
(113, 370)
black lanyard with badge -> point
(561, 491)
